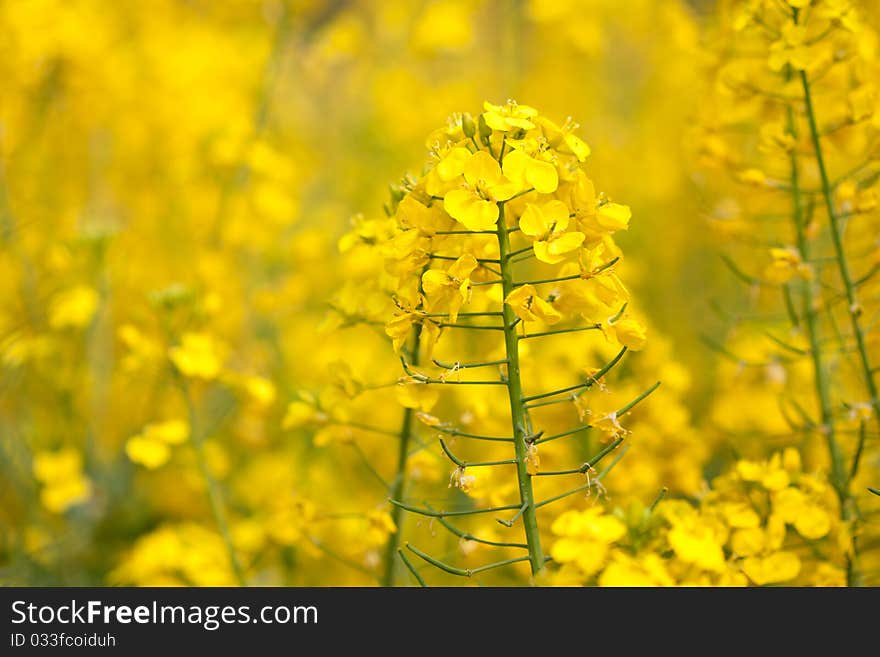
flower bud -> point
(468, 127)
(485, 131)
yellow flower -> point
(696, 539)
(645, 570)
(448, 290)
(509, 117)
(60, 496)
(527, 172)
(813, 522)
(73, 308)
(548, 224)
(476, 206)
(752, 176)
(586, 537)
(399, 330)
(740, 515)
(64, 484)
(786, 264)
(769, 474)
(148, 452)
(152, 447)
(54, 466)
(530, 307)
(199, 355)
(564, 139)
(613, 216)
(142, 350)
(417, 395)
(452, 164)
(809, 519)
(259, 389)
(629, 333)
(426, 219)
(172, 432)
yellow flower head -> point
(548, 224)
(530, 307)
(476, 204)
(509, 117)
(73, 308)
(199, 355)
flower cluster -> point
(500, 248)
(762, 523)
(790, 133)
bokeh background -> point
(175, 178)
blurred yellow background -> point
(175, 179)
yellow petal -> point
(630, 333)
(514, 166)
(813, 522)
(533, 223)
(556, 215)
(545, 311)
(614, 216)
(453, 163)
(577, 146)
(482, 167)
(470, 210)
(418, 396)
(463, 267)
(542, 253)
(434, 280)
(566, 243)
(73, 308)
(60, 496)
(147, 452)
(747, 542)
(542, 176)
(565, 550)
(65, 463)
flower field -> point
(295, 293)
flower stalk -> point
(518, 413)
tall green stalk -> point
(398, 486)
(215, 498)
(517, 406)
(854, 309)
(841, 474)
(811, 321)
(808, 308)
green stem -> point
(398, 487)
(587, 384)
(462, 572)
(218, 508)
(431, 513)
(517, 407)
(810, 318)
(411, 568)
(839, 470)
(842, 260)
